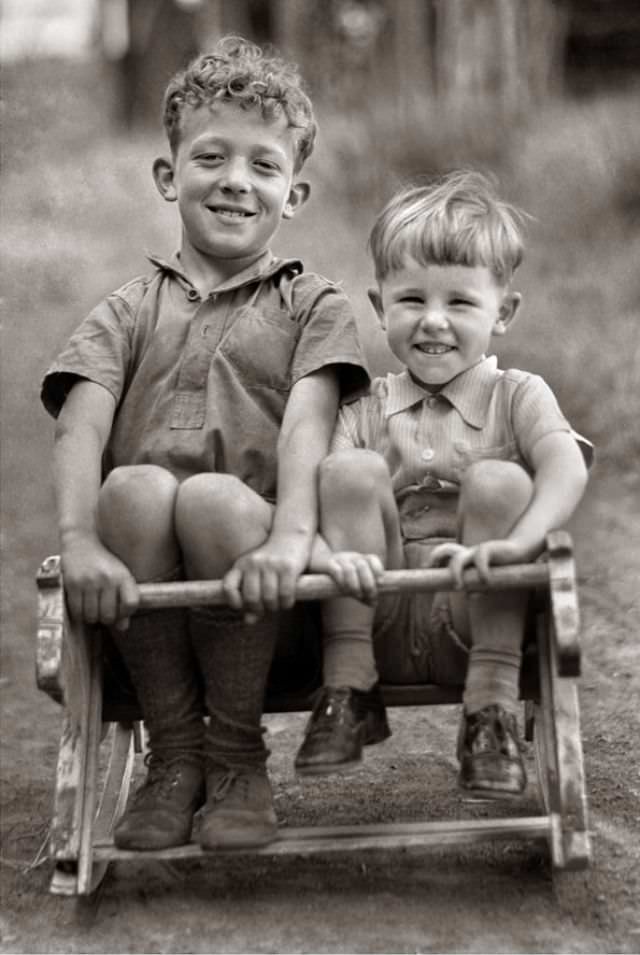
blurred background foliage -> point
(543, 94)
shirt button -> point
(428, 454)
(192, 295)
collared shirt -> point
(429, 440)
(202, 384)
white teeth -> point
(435, 349)
(231, 214)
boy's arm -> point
(98, 586)
(265, 578)
(560, 477)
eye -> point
(267, 165)
(411, 300)
(210, 159)
(459, 301)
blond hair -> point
(457, 219)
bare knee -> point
(215, 499)
(218, 518)
(495, 492)
(353, 475)
(135, 515)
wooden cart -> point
(87, 803)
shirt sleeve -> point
(536, 413)
(329, 334)
(99, 350)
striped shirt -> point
(429, 440)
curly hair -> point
(238, 71)
(457, 219)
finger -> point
(231, 584)
(442, 553)
(122, 624)
(90, 606)
(252, 592)
(270, 587)
(368, 583)
(108, 606)
(75, 604)
(352, 581)
(287, 592)
(376, 565)
(129, 597)
(482, 562)
(336, 571)
(457, 565)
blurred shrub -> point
(575, 167)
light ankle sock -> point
(348, 659)
(493, 677)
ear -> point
(163, 176)
(376, 300)
(298, 195)
(507, 313)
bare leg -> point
(357, 512)
(494, 495)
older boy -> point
(194, 406)
(451, 460)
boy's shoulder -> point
(133, 291)
(301, 291)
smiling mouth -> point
(428, 348)
(231, 213)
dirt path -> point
(491, 899)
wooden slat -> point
(311, 840)
(564, 602)
(193, 593)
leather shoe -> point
(490, 754)
(343, 720)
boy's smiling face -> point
(439, 319)
(232, 177)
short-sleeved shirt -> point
(202, 384)
(429, 440)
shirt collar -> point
(469, 392)
(264, 267)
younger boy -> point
(451, 460)
(194, 405)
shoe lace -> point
(163, 774)
(331, 709)
(230, 778)
(498, 729)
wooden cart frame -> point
(69, 668)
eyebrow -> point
(211, 140)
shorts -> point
(413, 636)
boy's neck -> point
(206, 273)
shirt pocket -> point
(260, 346)
(467, 453)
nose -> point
(434, 318)
(235, 177)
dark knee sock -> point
(234, 659)
(158, 655)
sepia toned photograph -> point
(320, 476)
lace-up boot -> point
(161, 812)
(341, 723)
(490, 754)
(239, 810)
